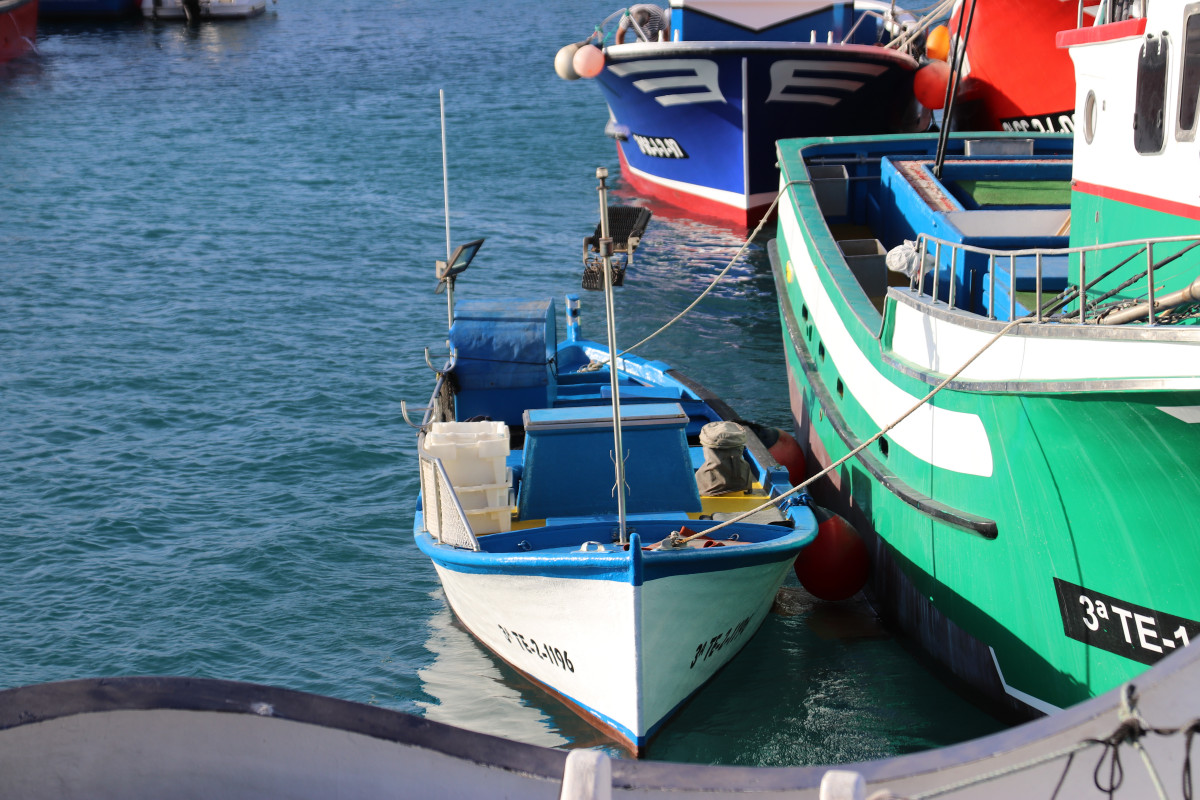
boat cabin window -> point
(1148, 125)
(1189, 79)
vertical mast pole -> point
(446, 195)
(606, 251)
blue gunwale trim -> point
(636, 51)
(636, 570)
(614, 565)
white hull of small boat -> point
(134, 738)
(609, 647)
(209, 9)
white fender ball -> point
(588, 61)
(562, 62)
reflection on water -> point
(820, 683)
(471, 688)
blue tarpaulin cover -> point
(504, 345)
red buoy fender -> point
(787, 451)
(929, 84)
(835, 565)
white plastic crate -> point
(489, 495)
(495, 519)
(473, 453)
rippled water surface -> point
(216, 274)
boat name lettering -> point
(1112, 624)
(1063, 122)
(659, 146)
(543, 651)
(718, 642)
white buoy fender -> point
(562, 62)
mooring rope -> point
(677, 539)
(599, 364)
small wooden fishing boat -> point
(696, 111)
(1019, 395)
(202, 9)
(136, 738)
(613, 583)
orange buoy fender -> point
(929, 84)
(787, 451)
(937, 44)
(833, 566)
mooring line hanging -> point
(595, 365)
(946, 382)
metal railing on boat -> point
(1089, 309)
(442, 513)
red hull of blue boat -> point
(88, 9)
(18, 28)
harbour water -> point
(217, 258)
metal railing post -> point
(937, 268)
(954, 271)
(437, 490)
(1150, 281)
(991, 285)
(922, 249)
(1082, 284)
(1012, 288)
(1038, 285)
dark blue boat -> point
(696, 113)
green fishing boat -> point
(1028, 308)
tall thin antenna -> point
(446, 194)
(445, 171)
(605, 246)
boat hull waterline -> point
(208, 9)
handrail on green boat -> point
(1116, 313)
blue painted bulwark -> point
(910, 200)
(697, 26)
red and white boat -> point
(18, 28)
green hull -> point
(1059, 564)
